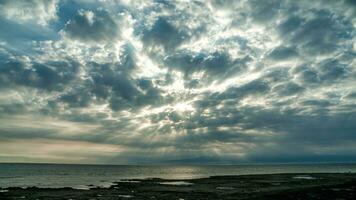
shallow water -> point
(81, 176)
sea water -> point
(83, 176)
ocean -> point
(84, 176)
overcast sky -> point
(145, 82)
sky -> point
(177, 82)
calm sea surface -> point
(79, 176)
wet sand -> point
(272, 186)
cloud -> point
(51, 75)
(251, 88)
(290, 88)
(44, 150)
(177, 82)
(320, 34)
(163, 33)
(333, 70)
(37, 12)
(283, 53)
(217, 65)
(89, 26)
(265, 11)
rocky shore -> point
(271, 186)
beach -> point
(268, 186)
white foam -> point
(176, 183)
(128, 181)
(125, 196)
(81, 187)
(304, 177)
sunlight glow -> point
(183, 107)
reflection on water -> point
(49, 175)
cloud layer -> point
(177, 81)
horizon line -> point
(184, 164)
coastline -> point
(262, 186)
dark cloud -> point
(319, 35)
(332, 70)
(317, 103)
(277, 74)
(310, 76)
(287, 89)
(283, 53)
(163, 33)
(77, 98)
(251, 88)
(12, 109)
(289, 25)
(327, 71)
(264, 11)
(52, 75)
(351, 95)
(112, 82)
(92, 26)
(217, 65)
